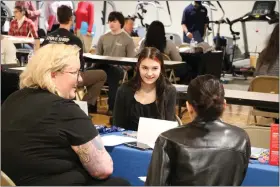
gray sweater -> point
(169, 50)
(119, 45)
(263, 70)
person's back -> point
(200, 158)
(35, 146)
(205, 152)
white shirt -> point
(20, 22)
(8, 52)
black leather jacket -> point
(200, 153)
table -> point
(239, 97)
(203, 63)
(21, 39)
(122, 60)
(132, 163)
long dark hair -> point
(155, 36)
(271, 51)
(161, 83)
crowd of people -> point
(48, 140)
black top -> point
(195, 19)
(139, 110)
(63, 36)
(200, 153)
(127, 110)
(38, 129)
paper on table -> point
(256, 152)
(149, 129)
(142, 179)
(113, 140)
(19, 68)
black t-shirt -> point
(63, 36)
(38, 129)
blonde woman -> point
(47, 139)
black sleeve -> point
(75, 125)
(171, 104)
(159, 169)
(184, 17)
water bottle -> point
(193, 45)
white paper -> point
(149, 129)
(142, 179)
(19, 68)
(181, 87)
(256, 152)
(113, 140)
(83, 105)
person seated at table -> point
(31, 11)
(128, 26)
(21, 25)
(206, 151)
(8, 51)
(92, 79)
(148, 94)
(48, 139)
(116, 43)
(268, 61)
(155, 37)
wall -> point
(233, 10)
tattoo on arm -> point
(95, 158)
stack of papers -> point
(256, 152)
(114, 140)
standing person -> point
(49, 140)
(85, 13)
(31, 11)
(206, 151)
(194, 22)
(51, 13)
(148, 94)
(92, 79)
(116, 43)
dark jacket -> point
(124, 100)
(200, 153)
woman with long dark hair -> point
(148, 94)
(268, 61)
(155, 37)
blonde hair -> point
(47, 59)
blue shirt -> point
(195, 20)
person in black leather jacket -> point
(206, 151)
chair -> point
(263, 84)
(178, 120)
(172, 78)
(259, 136)
(5, 180)
(81, 92)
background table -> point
(132, 163)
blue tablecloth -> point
(130, 163)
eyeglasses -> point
(75, 73)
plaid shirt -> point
(32, 13)
(26, 28)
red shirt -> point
(26, 28)
(85, 12)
